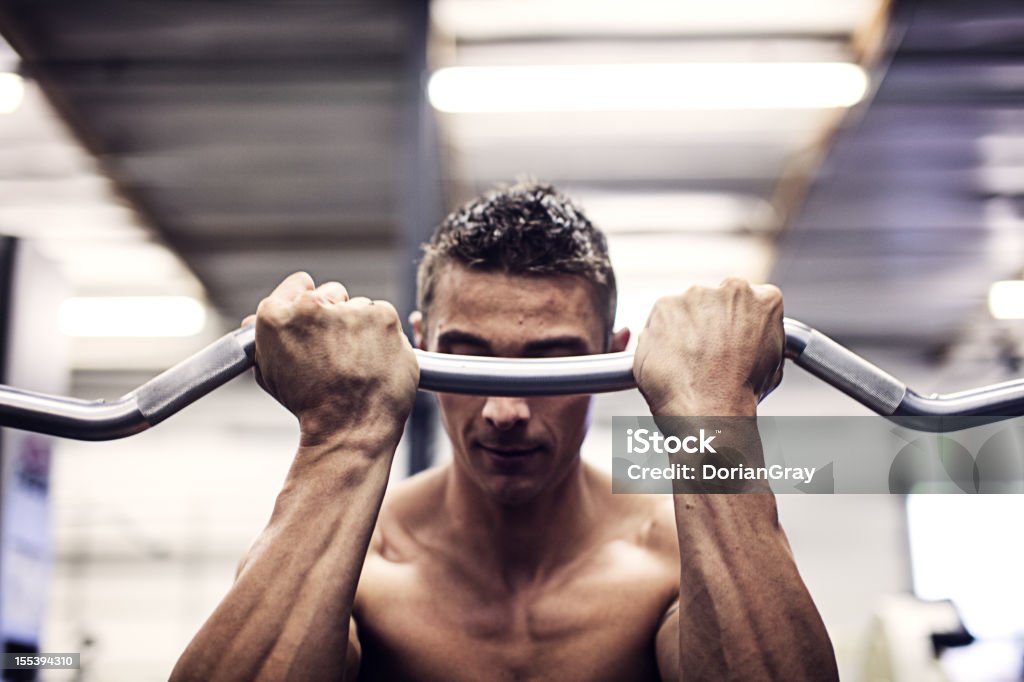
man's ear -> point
(416, 320)
(620, 340)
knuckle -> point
(302, 277)
(770, 292)
(270, 312)
(333, 287)
(387, 312)
(306, 302)
(693, 291)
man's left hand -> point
(712, 351)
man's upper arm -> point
(666, 643)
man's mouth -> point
(508, 452)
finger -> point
(360, 301)
(249, 319)
(734, 283)
(385, 306)
(332, 292)
(767, 292)
(387, 312)
(293, 285)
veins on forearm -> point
(746, 613)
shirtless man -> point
(515, 561)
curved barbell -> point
(232, 354)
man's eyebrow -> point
(454, 336)
(568, 342)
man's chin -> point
(513, 495)
(509, 490)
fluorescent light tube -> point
(132, 316)
(646, 87)
(1006, 300)
(480, 20)
(673, 212)
(12, 91)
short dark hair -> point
(527, 228)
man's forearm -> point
(744, 611)
(287, 615)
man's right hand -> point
(346, 370)
(335, 363)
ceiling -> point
(256, 138)
(918, 207)
(260, 138)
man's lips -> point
(509, 451)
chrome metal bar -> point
(604, 373)
(69, 417)
(188, 381)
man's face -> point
(514, 448)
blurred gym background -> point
(163, 165)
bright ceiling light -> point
(132, 316)
(12, 91)
(646, 87)
(678, 260)
(1006, 300)
(496, 19)
(648, 212)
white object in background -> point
(504, 19)
(899, 645)
(121, 316)
(1006, 300)
(12, 91)
(647, 87)
(37, 360)
(961, 548)
(667, 212)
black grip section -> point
(190, 380)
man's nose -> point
(506, 413)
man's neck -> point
(524, 542)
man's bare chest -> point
(595, 623)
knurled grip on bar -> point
(851, 374)
(186, 382)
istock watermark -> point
(642, 441)
(822, 455)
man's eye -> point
(459, 349)
(553, 353)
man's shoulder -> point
(647, 521)
(409, 506)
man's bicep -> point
(666, 644)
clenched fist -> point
(712, 352)
(336, 363)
